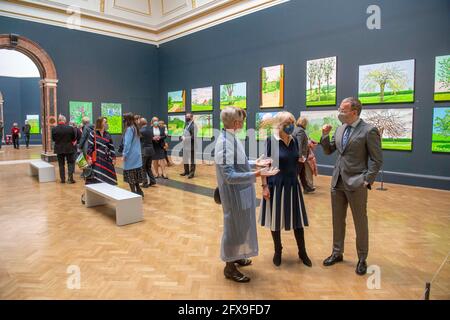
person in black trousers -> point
(188, 139)
(65, 137)
(147, 151)
(26, 129)
(1, 133)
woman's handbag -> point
(217, 196)
(81, 161)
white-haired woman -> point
(237, 193)
(282, 207)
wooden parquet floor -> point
(174, 252)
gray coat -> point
(302, 139)
(360, 160)
(237, 193)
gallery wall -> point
(22, 98)
(95, 68)
(301, 30)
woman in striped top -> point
(101, 155)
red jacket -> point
(15, 131)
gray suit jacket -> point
(302, 139)
(360, 160)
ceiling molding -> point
(154, 27)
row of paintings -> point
(112, 111)
(380, 83)
(395, 126)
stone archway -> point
(48, 84)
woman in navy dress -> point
(282, 207)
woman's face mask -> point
(155, 123)
(288, 129)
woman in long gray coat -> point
(237, 193)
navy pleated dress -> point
(285, 210)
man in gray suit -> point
(359, 159)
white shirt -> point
(156, 131)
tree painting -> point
(263, 127)
(441, 130)
(272, 86)
(176, 101)
(394, 125)
(33, 121)
(176, 125)
(317, 119)
(204, 123)
(321, 82)
(202, 99)
(80, 109)
(233, 95)
(442, 79)
(390, 82)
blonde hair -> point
(278, 120)
(231, 114)
(302, 121)
(85, 120)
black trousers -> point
(190, 170)
(1, 141)
(302, 175)
(15, 141)
(62, 158)
(147, 165)
(27, 140)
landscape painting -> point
(321, 82)
(395, 126)
(176, 125)
(441, 130)
(113, 113)
(33, 121)
(317, 119)
(389, 82)
(263, 125)
(242, 135)
(272, 87)
(80, 109)
(442, 79)
(204, 123)
(202, 99)
(176, 101)
(233, 95)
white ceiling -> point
(15, 64)
(149, 21)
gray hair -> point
(62, 118)
(85, 120)
(231, 114)
(355, 103)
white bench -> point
(128, 204)
(44, 170)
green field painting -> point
(204, 123)
(176, 125)
(202, 99)
(441, 130)
(321, 82)
(176, 101)
(33, 121)
(233, 95)
(317, 119)
(442, 78)
(113, 113)
(272, 87)
(389, 82)
(80, 109)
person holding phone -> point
(359, 159)
(283, 207)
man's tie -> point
(347, 131)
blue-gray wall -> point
(22, 97)
(96, 68)
(299, 30)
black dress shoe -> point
(361, 267)
(70, 181)
(63, 181)
(334, 258)
(190, 176)
(145, 185)
(277, 258)
(305, 259)
(243, 262)
(235, 275)
(184, 174)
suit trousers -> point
(357, 199)
(70, 158)
(147, 165)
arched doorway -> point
(1, 115)
(48, 84)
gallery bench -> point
(44, 170)
(128, 205)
